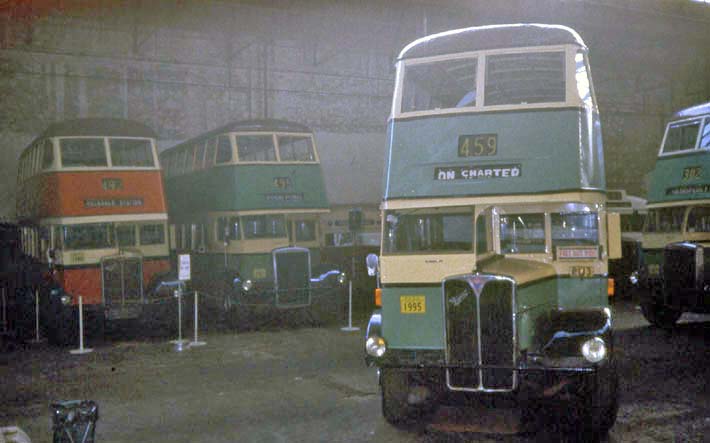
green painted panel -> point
(552, 150)
(413, 331)
(246, 187)
(682, 177)
(532, 301)
(574, 293)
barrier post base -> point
(197, 343)
(349, 328)
(81, 351)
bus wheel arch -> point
(659, 315)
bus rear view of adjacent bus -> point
(496, 237)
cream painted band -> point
(591, 197)
(674, 204)
(280, 211)
(116, 218)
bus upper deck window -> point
(681, 136)
(513, 79)
(440, 85)
(47, 154)
(224, 150)
(256, 148)
(131, 152)
(83, 152)
(522, 233)
(293, 148)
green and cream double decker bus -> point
(495, 232)
(673, 275)
(245, 200)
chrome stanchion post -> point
(350, 327)
(81, 349)
(195, 341)
(179, 343)
(37, 338)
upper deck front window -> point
(296, 148)
(83, 152)
(681, 136)
(256, 148)
(440, 85)
(513, 79)
(131, 152)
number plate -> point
(478, 145)
(412, 304)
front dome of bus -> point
(103, 127)
(491, 37)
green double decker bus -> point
(673, 276)
(245, 200)
(495, 231)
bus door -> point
(122, 286)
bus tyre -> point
(659, 315)
(600, 405)
(394, 386)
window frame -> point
(572, 98)
(703, 120)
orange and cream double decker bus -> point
(91, 205)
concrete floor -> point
(310, 385)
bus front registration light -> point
(594, 350)
(375, 346)
(247, 285)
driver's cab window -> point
(522, 233)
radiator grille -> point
(480, 333)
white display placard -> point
(184, 267)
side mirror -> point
(613, 234)
(372, 261)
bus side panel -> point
(423, 150)
(84, 281)
(580, 293)
(224, 188)
(680, 177)
(152, 267)
(533, 301)
(86, 193)
(413, 331)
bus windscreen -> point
(428, 232)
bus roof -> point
(693, 111)
(491, 37)
(257, 125)
(106, 127)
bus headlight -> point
(375, 346)
(594, 350)
(634, 278)
(247, 285)
(342, 278)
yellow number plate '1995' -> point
(412, 304)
